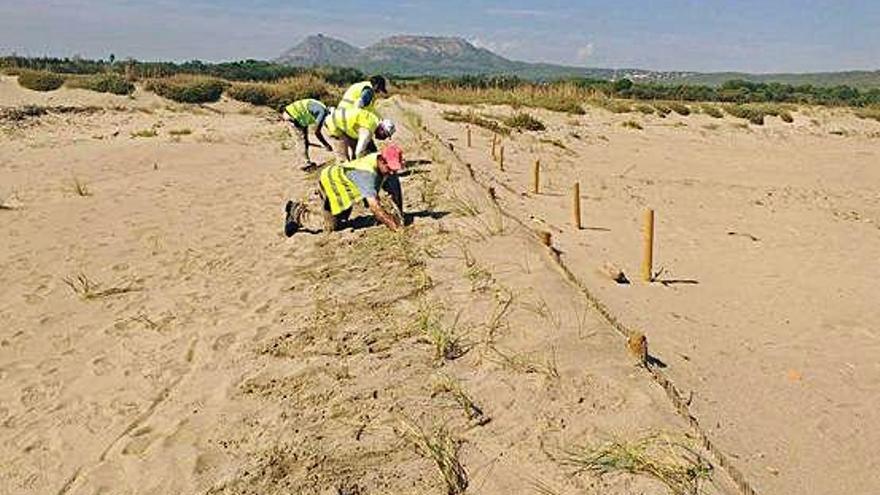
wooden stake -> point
(576, 205)
(536, 177)
(648, 248)
(469, 136)
(501, 159)
(494, 139)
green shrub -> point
(749, 112)
(632, 124)
(103, 83)
(680, 108)
(522, 120)
(188, 89)
(40, 80)
(280, 94)
(713, 111)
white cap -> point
(389, 126)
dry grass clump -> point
(184, 88)
(472, 117)
(680, 108)
(113, 83)
(88, 289)
(712, 111)
(277, 95)
(662, 109)
(557, 97)
(145, 133)
(443, 448)
(38, 80)
(632, 124)
(612, 105)
(869, 113)
(670, 460)
(180, 132)
(522, 120)
(644, 108)
(755, 113)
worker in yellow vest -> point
(354, 130)
(341, 185)
(304, 113)
(363, 94)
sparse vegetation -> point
(632, 124)
(644, 108)
(680, 108)
(441, 447)
(662, 109)
(188, 89)
(277, 95)
(88, 289)
(180, 132)
(869, 113)
(102, 83)
(756, 113)
(145, 133)
(712, 111)
(672, 461)
(40, 80)
(448, 385)
(522, 120)
(447, 345)
(81, 188)
(471, 117)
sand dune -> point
(159, 334)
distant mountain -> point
(450, 56)
(423, 56)
(319, 50)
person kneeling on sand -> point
(341, 185)
(303, 113)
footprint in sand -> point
(101, 366)
(223, 342)
(140, 442)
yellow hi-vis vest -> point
(349, 120)
(299, 111)
(353, 95)
(340, 191)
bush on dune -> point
(522, 120)
(283, 93)
(40, 80)
(188, 89)
(102, 83)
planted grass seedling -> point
(672, 460)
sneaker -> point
(291, 218)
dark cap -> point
(378, 83)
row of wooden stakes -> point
(648, 225)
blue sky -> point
(744, 35)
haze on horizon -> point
(687, 35)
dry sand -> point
(767, 241)
(238, 361)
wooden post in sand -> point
(469, 136)
(501, 158)
(536, 177)
(648, 248)
(576, 205)
(494, 144)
